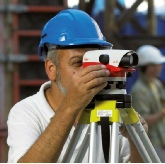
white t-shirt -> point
(29, 118)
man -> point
(40, 126)
(148, 95)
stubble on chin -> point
(59, 84)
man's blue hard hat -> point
(71, 27)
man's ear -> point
(50, 69)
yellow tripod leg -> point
(129, 115)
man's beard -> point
(59, 84)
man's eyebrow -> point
(78, 57)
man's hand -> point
(84, 85)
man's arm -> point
(48, 146)
(134, 156)
(154, 118)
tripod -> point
(117, 108)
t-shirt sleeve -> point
(124, 146)
(23, 131)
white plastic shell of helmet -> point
(149, 54)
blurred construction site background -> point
(127, 24)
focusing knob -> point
(104, 59)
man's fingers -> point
(95, 75)
(143, 122)
(93, 68)
(123, 129)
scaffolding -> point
(23, 73)
(21, 21)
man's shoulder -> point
(30, 105)
(24, 107)
(138, 86)
(158, 83)
(34, 99)
(28, 101)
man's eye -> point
(77, 63)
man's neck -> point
(54, 97)
(149, 78)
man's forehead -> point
(76, 51)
